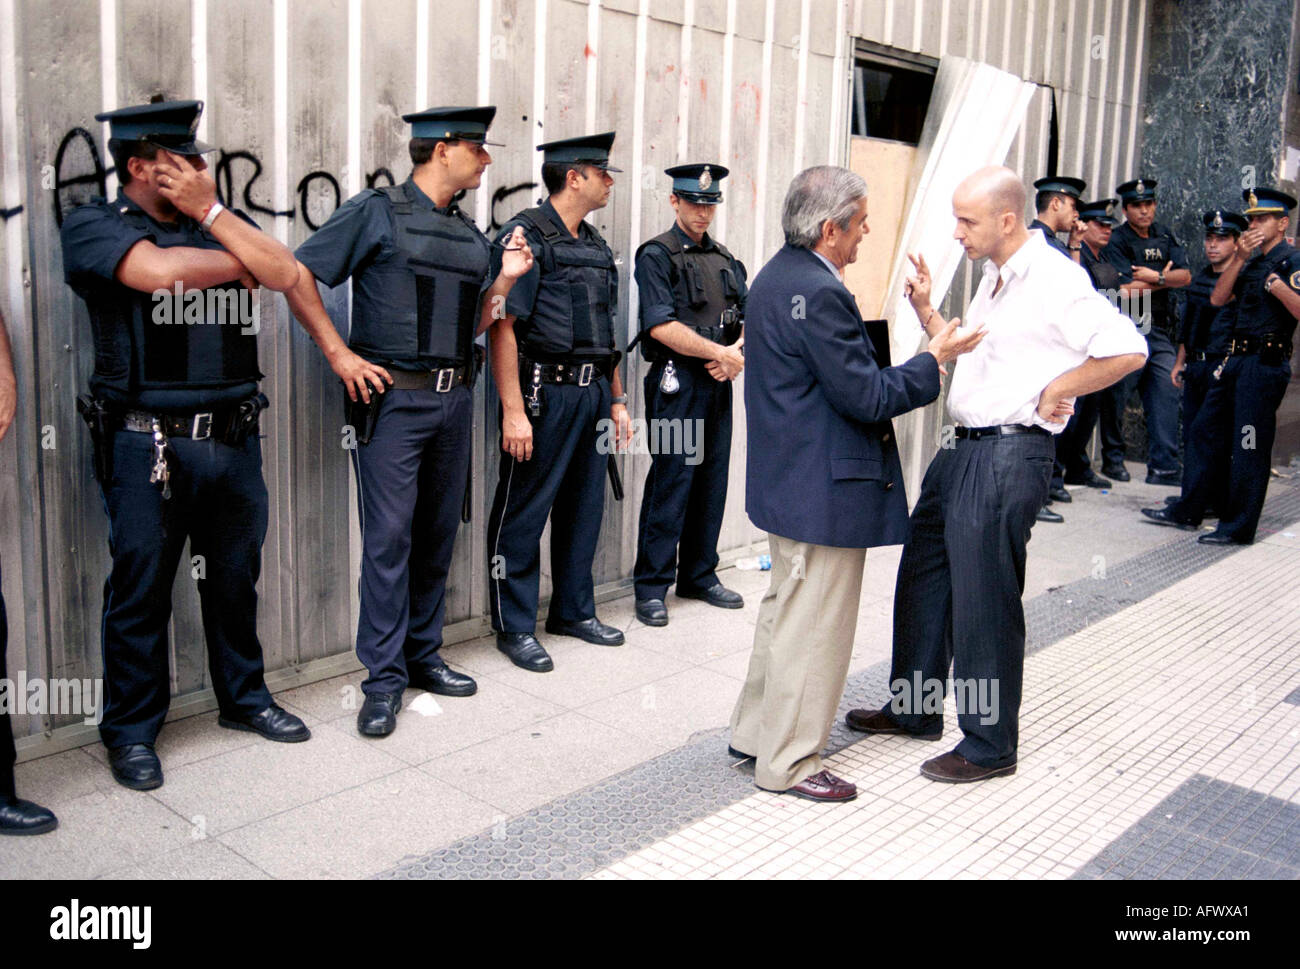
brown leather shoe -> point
(953, 768)
(822, 786)
(877, 721)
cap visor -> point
(194, 147)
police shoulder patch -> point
(1295, 280)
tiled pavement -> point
(615, 759)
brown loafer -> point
(877, 721)
(822, 786)
(953, 768)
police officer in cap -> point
(1204, 339)
(1248, 383)
(1149, 262)
(1056, 201)
(563, 410)
(692, 294)
(16, 815)
(1096, 220)
(173, 411)
(425, 282)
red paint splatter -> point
(587, 51)
(704, 88)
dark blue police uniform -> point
(199, 385)
(418, 276)
(1125, 250)
(1246, 386)
(702, 286)
(564, 309)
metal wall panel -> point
(305, 100)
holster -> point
(246, 419)
(98, 418)
(361, 416)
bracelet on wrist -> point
(210, 214)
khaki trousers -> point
(802, 648)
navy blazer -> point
(822, 463)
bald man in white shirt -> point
(1051, 337)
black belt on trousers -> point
(198, 427)
(1200, 356)
(574, 371)
(1242, 345)
(440, 380)
(998, 430)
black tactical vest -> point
(577, 291)
(184, 348)
(706, 283)
(422, 309)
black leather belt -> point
(197, 427)
(440, 381)
(1242, 345)
(576, 371)
(998, 430)
(1198, 356)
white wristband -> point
(216, 210)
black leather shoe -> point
(589, 630)
(23, 817)
(1116, 471)
(442, 680)
(1046, 514)
(273, 723)
(1218, 538)
(378, 716)
(525, 652)
(652, 612)
(135, 766)
(1089, 478)
(738, 754)
(1061, 495)
(1170, 479)
(715, 595)
(1164, 516)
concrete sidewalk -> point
(571, 765)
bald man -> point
(1050, 338)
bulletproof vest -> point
(1152, 252)
(577, 291)
(197, 341)
(706, 283)
(423, 307)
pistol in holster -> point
(99, 418)
(732, 321)
(362, 416)
(245, 420)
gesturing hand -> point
(518, 256)
(917, 286)
(948, 344)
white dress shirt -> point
(829, 265)
(1047, 318)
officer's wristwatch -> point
(620, 399)
(1160, 279)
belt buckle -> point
(442, 386)
(201, 429)
(585, 373)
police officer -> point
(1149, 260)
(1056, 201)
(424, 284)
(692, 294)
(563, 410)
(1096, 220)
(174, 409)
(1204, 338)
(1248, 383)
(16, 815)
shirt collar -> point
(706, 242)
(1020, 260)
(829, 265)
(124, 204)
(418, 194)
